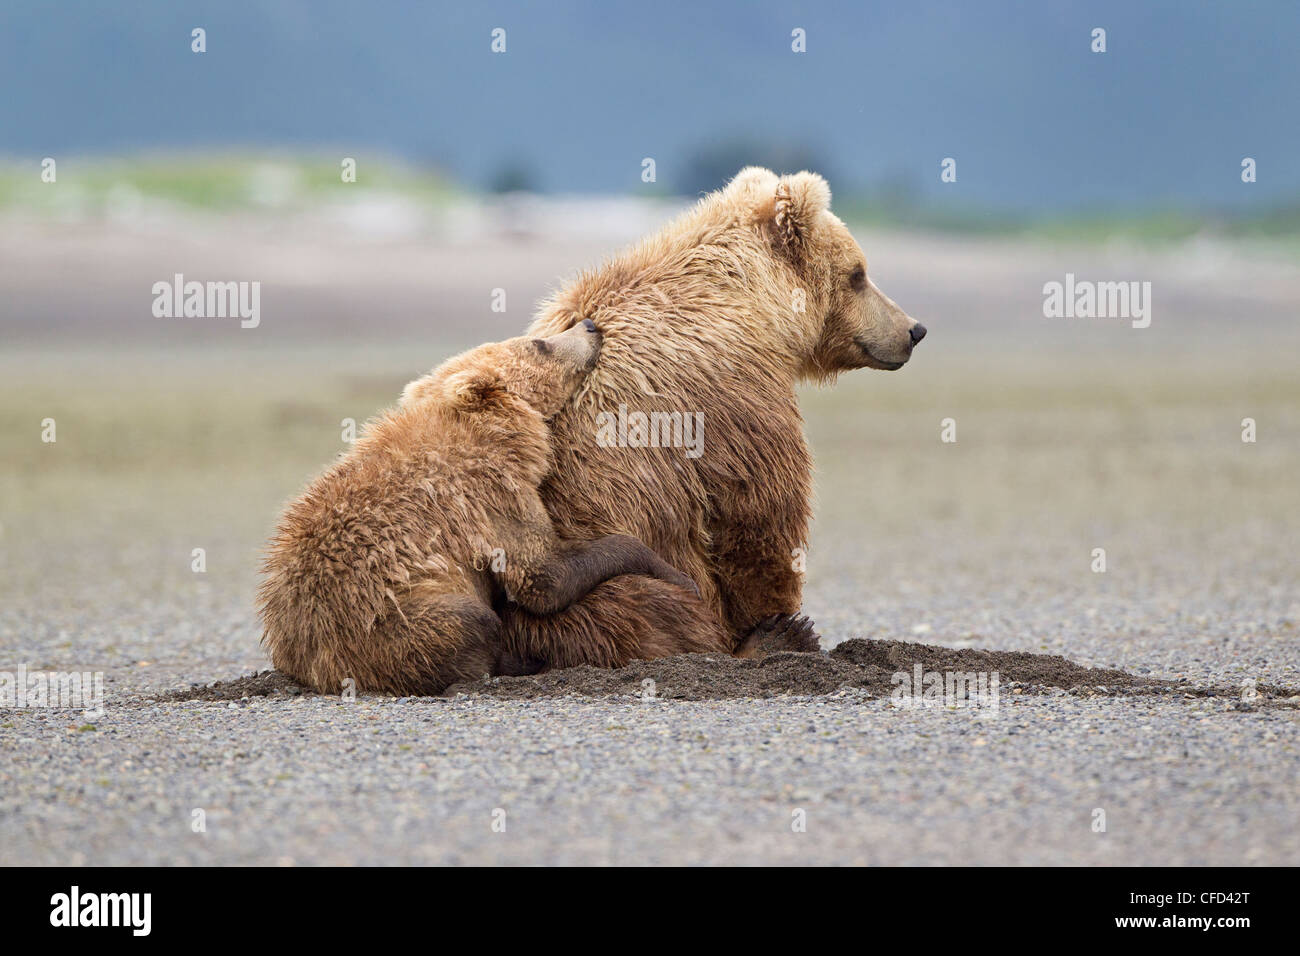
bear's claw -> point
(781, 632)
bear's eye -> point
(858, 278)
(543, 346)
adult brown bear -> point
(717, 317)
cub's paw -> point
(781, 632)
(683, 581)
(670, 575)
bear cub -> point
(390, 569)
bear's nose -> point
(917, 332)
(590, 326)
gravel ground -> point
(1070, 438)
(384, 781)
(317, 780)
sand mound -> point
(867, 666)
(262, 684)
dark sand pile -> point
(261, 684)
(857, 664)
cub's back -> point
(391, 512)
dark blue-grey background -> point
(586, 90)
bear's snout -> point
(917, 332)
(578, 346)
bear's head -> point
(845, 321)
(540, 373)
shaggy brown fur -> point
(387, 569)
(720, 314)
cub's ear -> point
(420, 390)
(472, 386)
(799, 200)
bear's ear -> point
(419, 390)
(752, 178)
(799, 200)
(472, 386)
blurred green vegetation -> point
(220, 184)
(287, 184)
(1142, 225)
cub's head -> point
(542, 373)
(847, 322)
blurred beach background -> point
(479, 171)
